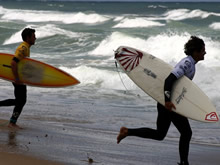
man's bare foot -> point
(14, 126)
(122, 134)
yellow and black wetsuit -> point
(22, 51)
(20, 90)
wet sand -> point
(10, 153)
(19, 159)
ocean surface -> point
(80, 38)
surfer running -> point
(20, 90)
(195, 51)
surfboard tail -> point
(212, 117)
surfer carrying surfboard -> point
(195, 51)
(20, 90)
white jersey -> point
(185, 67)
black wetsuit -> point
(20, 92)
(185, 67)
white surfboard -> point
(149, 73)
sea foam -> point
(42, 31)
(51, 16)
(90, 76)
(137, 22)
(182, 14)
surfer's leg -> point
(8, 102)
(20, 100)
(183, 126)
(163, 124)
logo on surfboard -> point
(181, 96)
(211, 117)
(150, 73)
(129, 58)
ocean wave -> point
(215, 26)
(137, 22)
(51, 16)
(157, 6)
(113, 41)
(182, 14)
(169, 49)
(162, 50)
(99, 77)
(42, 32)
(118, 18)
(2, 10)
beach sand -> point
(19, 159)
(46, 144)
(10, 155)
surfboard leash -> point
(116, 65)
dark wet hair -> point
(27, 32)
(194, 44)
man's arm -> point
(14, 67)
(167, 91)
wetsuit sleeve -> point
(16, 59)
(168, 86)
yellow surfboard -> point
(35, 73)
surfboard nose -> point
(128, 58)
